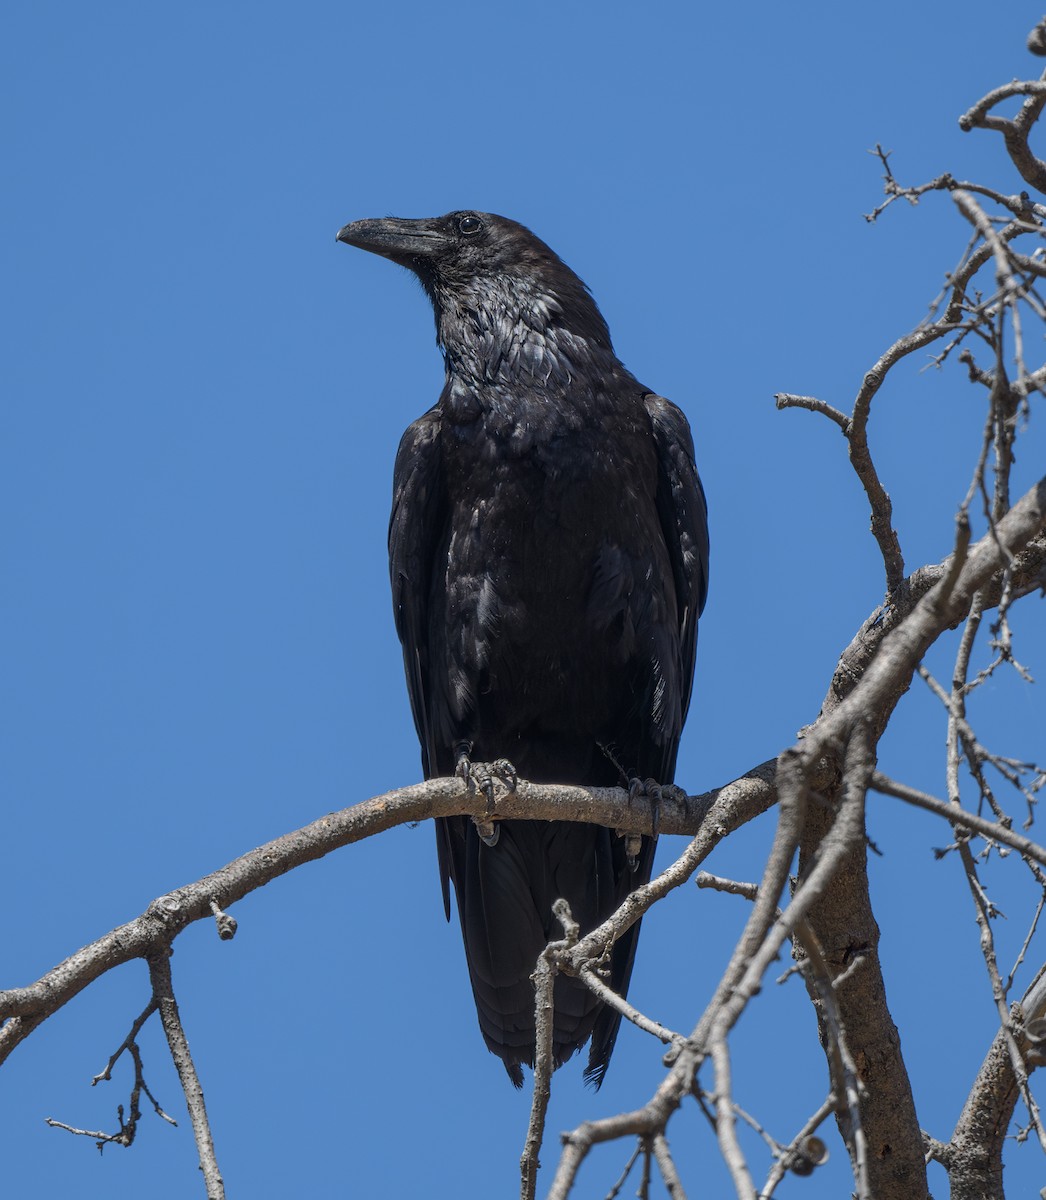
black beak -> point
(403, 241)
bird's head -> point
(456, 248)
(476, 261)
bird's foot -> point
(652, 790)
(654, 793)
(481, 777)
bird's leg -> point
(652, 790)
(480, 776)
(636, 787)
(655, 792)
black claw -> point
(654, 792)
(506, 772)
(480, 777)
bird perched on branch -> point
(549, 559)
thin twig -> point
(611, 998)
(787, 1156)
(136, 1028)
(643, 1191)
(1027, 942)
(960, 817)
(622, 1179)
(983, 914)
(544, 979)
(666, 1165)
(163, 992)
(726, 1131)
(982, 908)
(812, 404)
(101, 1139)
(128, 1129)
(1015, 132)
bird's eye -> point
(469, 225)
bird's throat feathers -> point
(497, 330)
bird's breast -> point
(553, 523)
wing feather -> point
(683, 512)
(416, 533)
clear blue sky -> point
(203, 396)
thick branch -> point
(974, 1154)
(875, 673)
(845, 926)
(843, 919)
(24, 1008)
(871, 697)
(168, 915)
(1027, 574)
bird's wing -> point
(684, 520)
(683, 517)
(415, 531)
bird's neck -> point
(497, 336)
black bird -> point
(549, 558)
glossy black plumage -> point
(549, 559)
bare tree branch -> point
(974, 1154)
(544, 979)
(959, 817)
(895, 637)
(178, 1044)
(126, 1134)
(666, 1165)
(23, 1009)
(1015, 132)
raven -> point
(548, 551)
